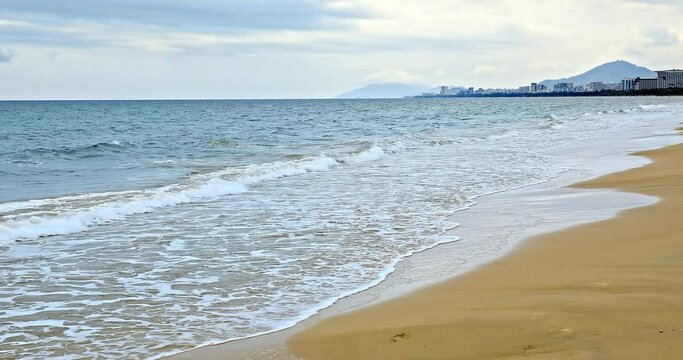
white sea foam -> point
(373, 153)
(208, 186)
(129, 203)
(176, 245)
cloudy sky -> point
(115, 49)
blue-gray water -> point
(175, 223)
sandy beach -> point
(304, 180)
(611, 289)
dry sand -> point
(605, 290)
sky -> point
(171, 49)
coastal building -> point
(595, 86)
(443, 90)
(536, 87)
(456, 90)
(645, 84)
(665, 79)
(524, 89)
(628, 84)
(670, 79)
(563, 87)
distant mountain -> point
(610, 72)
(385, 90)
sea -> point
(137, 229)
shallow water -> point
(176, 223)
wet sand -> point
(606, 290)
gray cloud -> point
(6, 55)
(41, 35)
(145, 23)
(163, 24)
(196, 14)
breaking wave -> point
(121, 205)
(85, 151)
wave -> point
(38, 218)
(373, 153)
(202, 187)
(163, 162)
(294, 156)
(80, 151)
(326, 303)
(550, 121)
(502, 134)
(227, 142)
(656, 106)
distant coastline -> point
(616, 78)
(648, 92)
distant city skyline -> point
(125, 49)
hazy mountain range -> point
(385, 90)
(610, 72)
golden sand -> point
(605, 290)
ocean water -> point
(133, 229)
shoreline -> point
(552, 94)
(609, 289)
(271, 345)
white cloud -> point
(485, 69)
(394, 75)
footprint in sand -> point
(400, 337)
(530, 349)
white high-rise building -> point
(595, 86)
(628, 84)
(670, 79)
